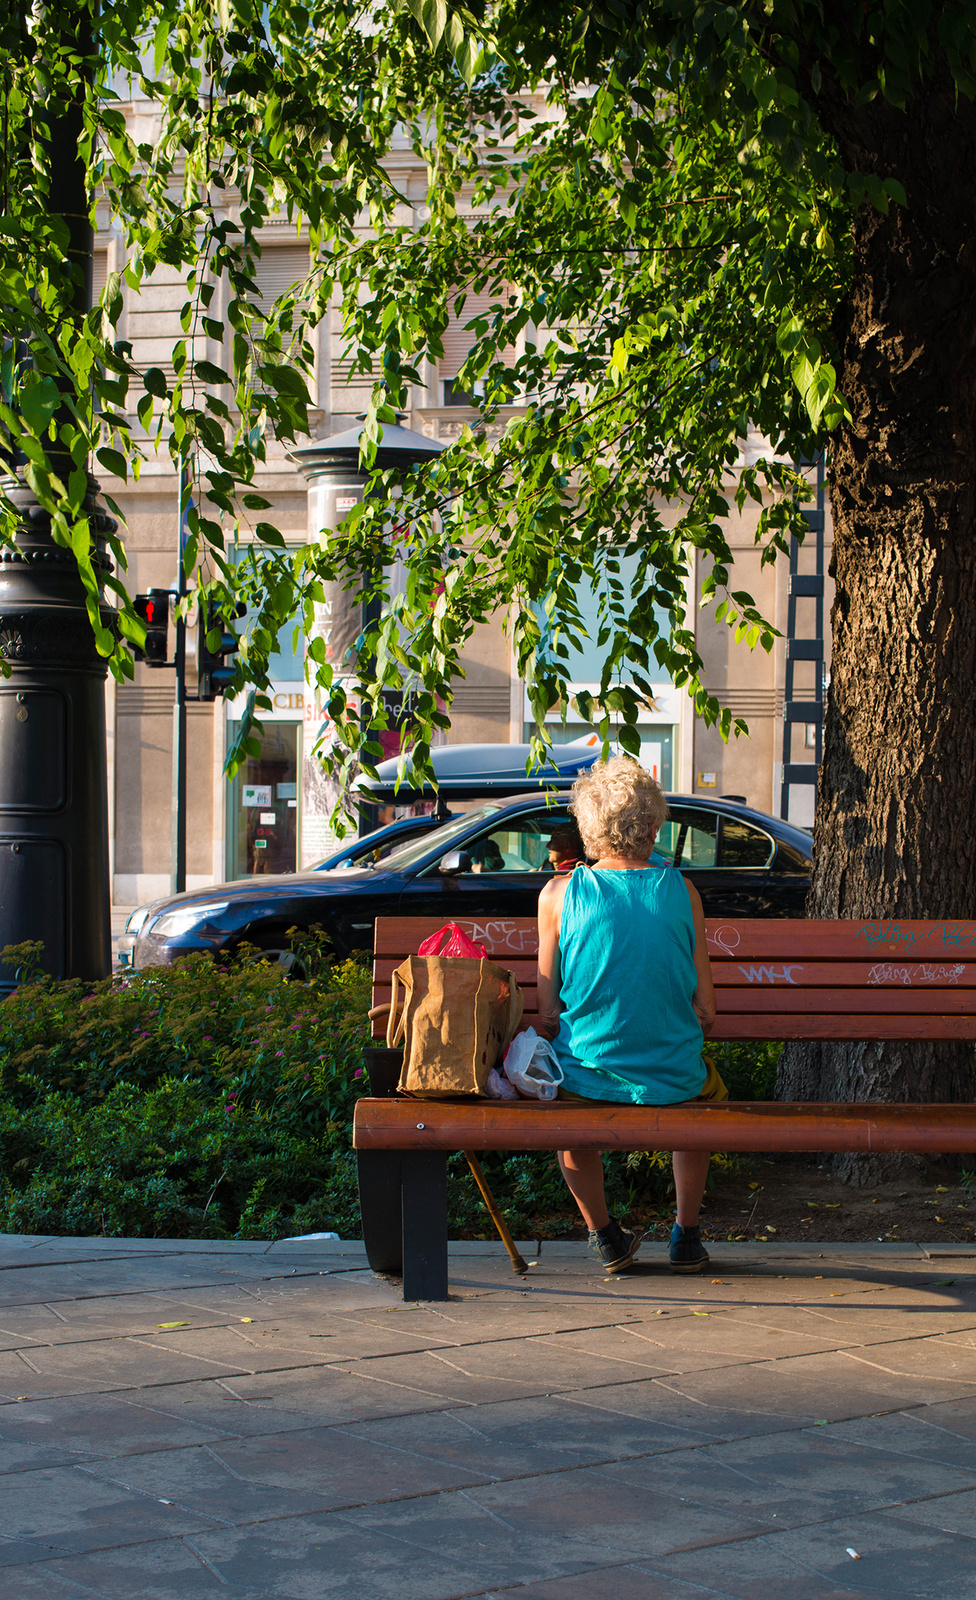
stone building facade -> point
(226, 837)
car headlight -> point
(137, 918)
(183, 918)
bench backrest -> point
(775, 979)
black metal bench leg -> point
(424, 1225)
(381, 1208)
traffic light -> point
(214, 675)
(153, 610)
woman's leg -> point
(690, 1172)
(583, 1171)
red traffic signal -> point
(153, 610)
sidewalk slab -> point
(209, 1418)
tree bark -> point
(895, 834)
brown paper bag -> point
(456, 1018)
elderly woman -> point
(625, 993)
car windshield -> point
(409, 854)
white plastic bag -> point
(531, 1065)
(499, 1088)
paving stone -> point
(472, 1322)
(790, 1479)
(666, 1403)
(332, 1557)
(897, 1557)
(760, 1569)
(116, 1364)
(691, 1343)
(325, 1338)
(811, 1387)
(476, 1373)
(103, 1426)
(20, 1381)
(539, 1527)
(68, 1507)
(37, 1583)
(952, 1513)
(105, 1317)
(935, 1357)
(622, 1583)
(514, 1438)
(27, 1457)
(927, 1433)
(15, 1551)
(334, 1394)
(340, 1468)
(169, 1570)
(214, 1411)
(199, 1481)
(233, 1350)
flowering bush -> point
(195, 1099)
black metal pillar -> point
(177, 874)
(805, 585)
(53, 773)
(424, 1190)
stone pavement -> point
(196, 1421)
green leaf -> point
(155, 382)
(114, 461)
(38, 403)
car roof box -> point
(481, 771)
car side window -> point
(744, 845)
(520, 846)
(689, 838)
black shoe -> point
(688, 1254)
(617, 1246)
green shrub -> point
(215, 1101)
(197, 1100)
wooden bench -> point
(774, 980)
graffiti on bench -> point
(770, 974)
(886, 973)
(502, 937)
(940, 935)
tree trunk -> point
(895, 833)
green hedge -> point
(215, 1102)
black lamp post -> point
(337, 482)
(53, 773)
(53, 776)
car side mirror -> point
(454, 862)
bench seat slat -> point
(896, 940)
(914, 977)
(778, 1025)
(747, 1125)
(866, 1002)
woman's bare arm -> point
(550, 906)
(703, 999)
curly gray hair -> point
(618, 808)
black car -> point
(486, 864)
(381, 842)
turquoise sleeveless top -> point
(628, 1030)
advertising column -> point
(336, 482)
(338, 622)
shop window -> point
(264, 805)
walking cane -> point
(519, 1265)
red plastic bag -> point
(457, 944)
